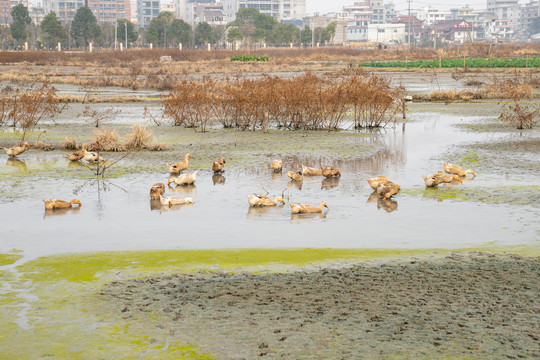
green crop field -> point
(249, 58)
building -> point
(281, 10)
(412, 23)
(455, 31)
(505, 10)
(5, 10)
(389, 12)
(146, 11)
(169, 6)
(527, 13)
(104, 11)
(431, 15)
(211, 13)
(386, 33)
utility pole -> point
(409, 23)
(125, 26)
(435, 33)
(115, 34)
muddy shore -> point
(473, 305)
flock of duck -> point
(384, 187)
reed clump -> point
(69, 144)
(105, 140)
(139, 138)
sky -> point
(325, 6)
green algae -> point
(8, 259)
(68, 321)
(516, 195)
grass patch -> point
(8, 259)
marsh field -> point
(445, 272)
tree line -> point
(165, 31)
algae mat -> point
(52, 306)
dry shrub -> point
(42, 146)
(158, 147)
(308, 101)
(523, 115)
(139, 138)
(69, 144)
(450, 95)
(105, 140)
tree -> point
(234, 35)
(121, 31)
(331, 30)
(204, 34)
(253, 25)
(84, 27)
(181, 32)
(306, 35)
(52, 29)
(21, 19)
(159, 27)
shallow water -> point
(117, 214)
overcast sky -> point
(324, 6)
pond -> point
(117, 213)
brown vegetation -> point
(24, 109)
(308, 101)
(105, 140)
(69, 144)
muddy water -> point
(117, 213)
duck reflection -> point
(218, 179)
(388, 205)
(155, 204)
(330, 183)
(308, 216)
(276, 175)
(165, 208)
(184, 189)
(257, 211)
(295, 183)
(17, 163)
(76, 164)
(56, 212)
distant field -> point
(454, 63)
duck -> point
(456, 170)
(217, 166)
(433, 180)
(331, 171)
(387, 189)
(60, 204)
(374, 182)
(305, 209)
(309, 171)
(17, 150)
(157, 190)
(295, 175)
(277, 165)
(261, 200)
(180, 166)
(91, 156)
(175, 200)
(184, 179)
(77, 155)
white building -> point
(363, 31)
(281, 10)
(505, 10)
(431, 15)
(386, 33)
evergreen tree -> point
(84, 28)
(204, 34)
(21, 19)
(52, 30)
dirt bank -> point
(464, 305)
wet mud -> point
(461, 306)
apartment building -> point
(430, 15)
(5, 10)
(281, 10)
(105, 11)
(146, 11)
